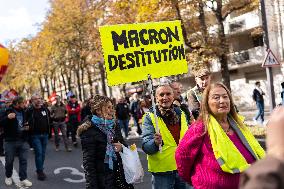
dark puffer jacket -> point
(97, 173)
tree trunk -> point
(63, 80)
(110, 91)
(280, 26)
(124, 90)
(57, 78)
(28, 91)
(202, 21)
(51, 85)
(41, 87)
(47, 85)
(77, 73)
(175, 5)
(224, 49)
(68, 76)
(90, 81)
(225, 70)
(82, 79)
(52, 82)
(102, 72)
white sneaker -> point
(8, 181)
(26, 183)
(265, 123)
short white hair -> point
(163, 85)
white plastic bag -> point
(132, 166)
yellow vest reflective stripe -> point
(226, 153)
(165, 161)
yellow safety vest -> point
(226, 153)
(165, 161)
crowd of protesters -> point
(27, 124)
(194, 141)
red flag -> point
(51, 98)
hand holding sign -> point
(158, 139)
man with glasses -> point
(160, 146)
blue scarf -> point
(107, 127)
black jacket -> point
(257, 96)
(94, 142)
(86, 111)
(122, 111)
(31, 118)
(11, 130)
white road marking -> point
(74, 171)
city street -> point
(199, 83)
(64, 169)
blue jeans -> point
(260, 113)
(124, 125)
(11, 149)
(167, 180)
(39, 145)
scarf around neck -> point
(169, 115)
(107, 127)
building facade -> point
(245, 38)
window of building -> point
(236, 26)
(257, 40)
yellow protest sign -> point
(132, 51)
(4, 55)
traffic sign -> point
(270, 60)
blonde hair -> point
(205, 110)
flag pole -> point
(150, 81)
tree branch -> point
(235, 9)
(184, 32)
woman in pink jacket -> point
(217, 147)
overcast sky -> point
(20, 18)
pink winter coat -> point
(196, 162)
